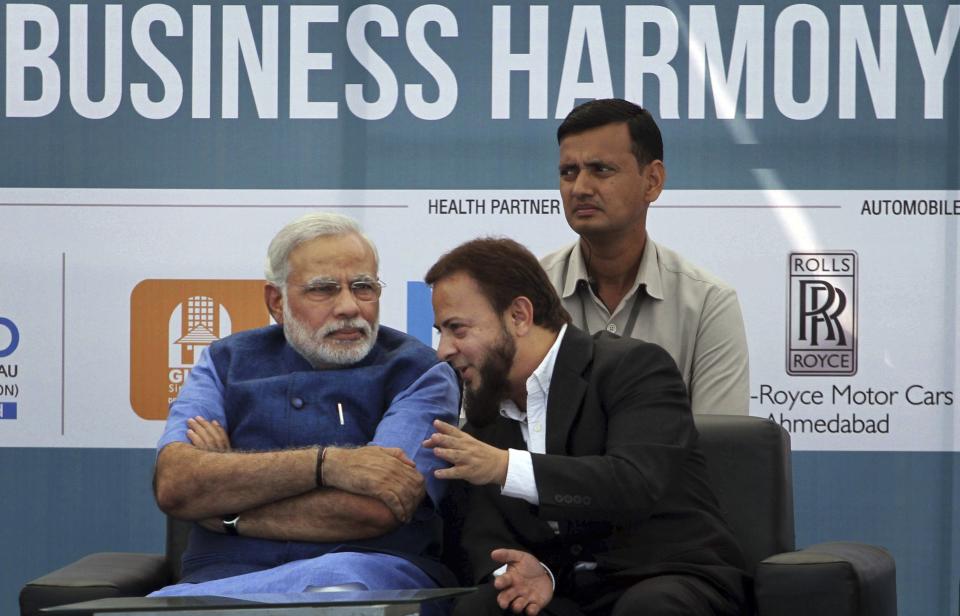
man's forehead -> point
(606, 139)
(459, 296)
(456, 286)
(348, 277)
(336, 256)
(318, 271)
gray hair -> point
(307, 227)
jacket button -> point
(577, 499)
(575, 549)
(296, 403)
(567, 499)
(558, 498)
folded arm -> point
(193, 483)
(371, 490)
(322, 516)
(368, 491)
(327, 514)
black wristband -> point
(321, 454)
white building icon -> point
(194, 325)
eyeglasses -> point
(326, 290)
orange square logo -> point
(172, 321)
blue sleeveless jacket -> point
(274, 399)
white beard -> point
(320, 351)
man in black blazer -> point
(588, 492)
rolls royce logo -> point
(822, 314)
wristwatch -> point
(230, 522)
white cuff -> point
(520, 482)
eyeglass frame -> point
(376, 285)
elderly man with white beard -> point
(297, 448)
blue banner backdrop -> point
(168, 142)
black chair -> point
(108, 574)
(749, 462)
(750, 470)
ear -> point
(273, 297)
(519, 315)
(656, 176)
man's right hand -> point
(384, 473)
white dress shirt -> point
(520, 482)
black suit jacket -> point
(622, 475)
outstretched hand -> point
(525, 587)
(471, 459)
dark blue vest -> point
(274, 399)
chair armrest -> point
(97, 576)
(837, 578)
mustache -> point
(336, 326)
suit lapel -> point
(567, 387)
(507, 434)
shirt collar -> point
(544, 372)
(648, 275)
(541, 377)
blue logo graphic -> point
(14, 338)
(419, 312)
(8, 410)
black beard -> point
(482, 405)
